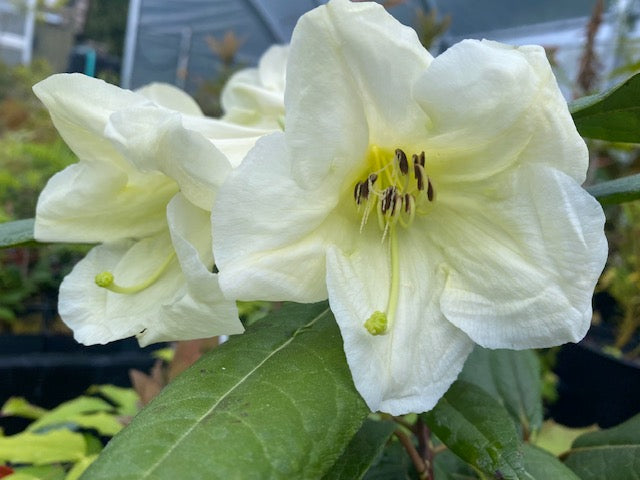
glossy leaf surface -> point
(611, 454)
(364, 448)
(275, 402)
(613, 115)
(511, 377)
(479, 430)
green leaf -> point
(42, 448)
(541, 465)
(448, 466)
(621, 190)
(21, 476)
(479, 430)
(612, 454)
(16, 232)
(104, 423)
(394, 463)
(277, 401)
(511, 377)
(20, 407)
(126, 399)
(365, 447)
(613, 115)
(80, 466)
(79, 411)
(556, 438)
(41, 472)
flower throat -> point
(397, 189)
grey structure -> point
(166, 38)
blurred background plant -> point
(31, 151)
(617, 305)
(621, 279)
(62, 442)
(225, 49)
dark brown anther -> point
(422, 159)
(364, 190)
(388, 199)
(415, 159)
(357, 192)
(402, 161)
(419, 173)
(372, 178)
(407, 202)
(429, 190)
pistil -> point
(397, 190)
(106, 279)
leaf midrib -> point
(490, 441)
(180, 439)
(590, 448)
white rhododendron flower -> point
(150, 165)
(435, 202)
(255, 96)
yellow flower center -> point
(397, 188)
(106, 279)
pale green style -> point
(435, 202)
(149, 167)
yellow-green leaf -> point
(69, 412)
(126, 399)
(20, 407)
(42, 448)
(79, 468)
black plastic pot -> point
(50, 369)
(594, 387)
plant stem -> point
(417, 460)
(424, 446)
(405, 424)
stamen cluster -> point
(395, 191)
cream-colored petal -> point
(182, 304)
(412, 365)
(201, 310)
(97, 315)
(272, 68)
(269, 234)
(98, 202)
(349, 77)
(170, 97)
(104, 197)
(491, 105)
(523, 253)
(155, 140)
(255, 96)
(80, 108)
(234, 141)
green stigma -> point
(376, 324)
(104, 279)
(107, 280)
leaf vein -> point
(209, 411)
